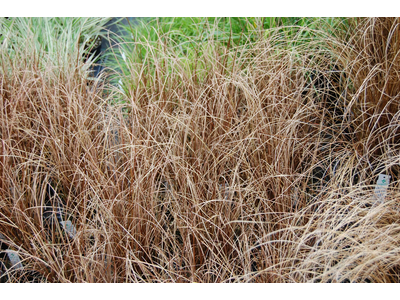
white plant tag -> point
(69, 228)
(225, 189)
(381, 186)
(14, 259)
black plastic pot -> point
(112, 28)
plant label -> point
(14, 259)
(381, 186)
(225, 189)
(69, 228)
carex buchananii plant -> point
(251, 161)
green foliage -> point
(58, 38)
(190, 39)
(186, 32)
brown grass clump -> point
(52, 132)
(248, 164)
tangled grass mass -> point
(206, 155)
